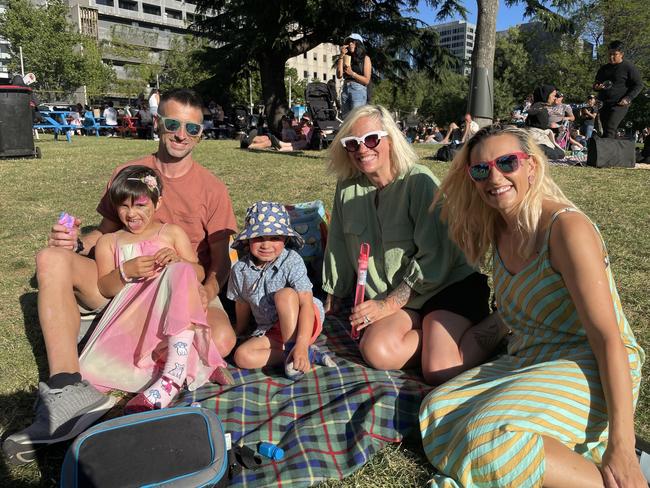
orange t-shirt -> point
(198, 202)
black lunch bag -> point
(172, 447)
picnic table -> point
(57, 121)
(127, 124)
(92, 123)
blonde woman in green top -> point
(422, 298)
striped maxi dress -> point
(484, 427)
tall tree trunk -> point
(274, 93)
(481, 89)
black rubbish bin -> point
(16, 139)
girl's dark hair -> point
(359, 51)
(133, 182)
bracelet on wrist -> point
(79, 247)
(123, 274)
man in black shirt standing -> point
(617, 83)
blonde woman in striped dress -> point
(557, 409)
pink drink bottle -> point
(362, 272)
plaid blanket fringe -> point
(329, 423)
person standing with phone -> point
(355, 67)
(617, 83)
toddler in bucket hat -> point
(267, 219)
(270, 283)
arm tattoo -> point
(401, 295)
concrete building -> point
(4, 52)
(146, 25)
(458, 37)
(540, 41)
(317, 64)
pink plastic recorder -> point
(362, 271)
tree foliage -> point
(442, 100)
(61, 59)
(183, 64)
(260, 35)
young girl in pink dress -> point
(154, 334)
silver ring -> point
(366, 320)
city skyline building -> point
(4, 52)
(318, 63)
(458, 38)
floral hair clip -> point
(148, 180)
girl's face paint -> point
(137, 214)
(142, 200)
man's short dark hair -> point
(183, 96)
(615, 46)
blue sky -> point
(506, 16)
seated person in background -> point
(425, 306)
(538, 122)
(538, 113)
(469, 128)
(433, 135)
(576, 140)
(270, 284)
(110, 118)
(559, 113)
(75, 118)
(145, 122)
(304, 130)
(588, 114)
(453, 134)
(557, 409)
(289, 133)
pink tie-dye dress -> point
(129, 346)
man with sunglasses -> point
(195, 200)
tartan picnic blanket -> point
(329, 423)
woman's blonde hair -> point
(473, 224)
(402, 155)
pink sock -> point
(163, 391)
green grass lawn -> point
(72, 176)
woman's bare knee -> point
(378, 355)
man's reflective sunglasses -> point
(508, 163)
(371, 140)
(174, 125)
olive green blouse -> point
(408, 241)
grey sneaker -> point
(61, 414)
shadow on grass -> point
(16, 414)
(294, 154)
(33, 331)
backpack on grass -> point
(172, 447)
(311, 221)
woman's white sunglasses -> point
(371, 140)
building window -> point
(324, 58)
(174, 14)
(315, 57)
(305, 75)
(324, 76)
(304, 55)
(150, 9)
(315, 75)
(107, 3)
(128, 5)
